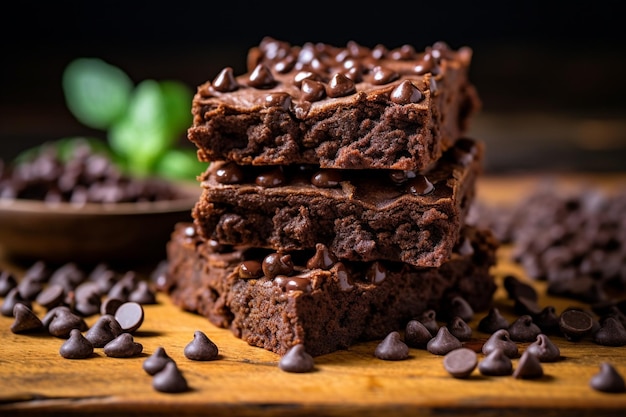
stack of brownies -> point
(333, 209)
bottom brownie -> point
(275, 301)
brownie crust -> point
(326, 306)
(360, 216)
(346, 107)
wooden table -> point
(245, 381)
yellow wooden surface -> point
(36, 380)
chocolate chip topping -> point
(312, 90)
(282, 100)
(419, 185)
(608, 379)
(76, 346)
(392, 348)
(261, 77)
(296, 360)
(170, 379)
(461, 362)
(406, 93)
(528, 367)
(496, 363)
(443, 342)
(225, 81)
(201, 348)
(381, 75)
(340, 86)
(544, 349)
(123, 346)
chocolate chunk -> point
(51, 296)
(26, 321)
(60, 321)
(460, 329)
(76, 346)
(123, 346)
(13, 297)
(156, 362)
(544, 349)
(612, 333)
(496, 363)
(416, 335)
(104, 330)
(296, 360)
(528, 367)
(130, 316)
(7, 282)
(523, 329)
(170, 379)
(461, 362)
(392, 348)
(443, 342)
(575, 324)
(493, 321)
(201, 348)
(501, 340)
(143, 294)
(608, 379)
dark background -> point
(552, 75)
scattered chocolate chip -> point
(525, 306)
(13, 297)
(143, 294)
(547, 320)
(608, 379)
(443, 342)
(575, 324)
(29, 288)
(296, 360)
(26, 321)
(516, 288)
(201, 348)
(104, 330)
(459, 307)
(51, 296)
(416, 335)
(7, 282)
(76, 346)
(156, 362)
(528, 367)
(493, 321)
(170, 379)
(501, 340)
(523, 329)
(37, 271)
(87, 299)
(496, 363)
(392, 348)
(460, 329)
(429, 319)
(123, 346)
(60, 321)
(110, 306)
(544, 349)
(461, 362)
(612, 333)
(130, 316)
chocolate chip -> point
(381, 75)
(523, 329)
(340, 86)
(104, 330)
(526, 306)
(312, 90)
(51, 296)
(271, 178)
(547, 320)
(322, 259)
(326, 178)
(13, 297)
(496, 363)
(501, 340)
(123, 346)
(261, 77)
(296, 360)
(443, 342)
(416, 335)
(130, 316)
(29, 288)
(461, 362)
(229, 173)
(225, 81)
(420, 185)
(493, 321)
(608, 379)
(458, 306)
(110, 306)
(406, 93)
(575, 324)
(516, 288)
(460, 329)
(156, 362)
(76, 346)
(528, 367)
(279, 100)
(143, 294)
(170, 379)
(87, 298)
(429, 319)
(26, 321)
(544, 349)
(392, 348)
(60, 321)
(612, 333)
(250, 269)
(201, 348)
(277, 264)
(7, 282)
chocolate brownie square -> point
(360, 215)
(277, 300)
(349, 107)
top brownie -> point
(349, 107)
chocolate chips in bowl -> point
(81, 207)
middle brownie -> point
(360, 215)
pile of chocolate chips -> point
(85, 176)
(575, 240)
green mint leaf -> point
(96, 93)
(180, 164)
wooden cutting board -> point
(245, 381)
